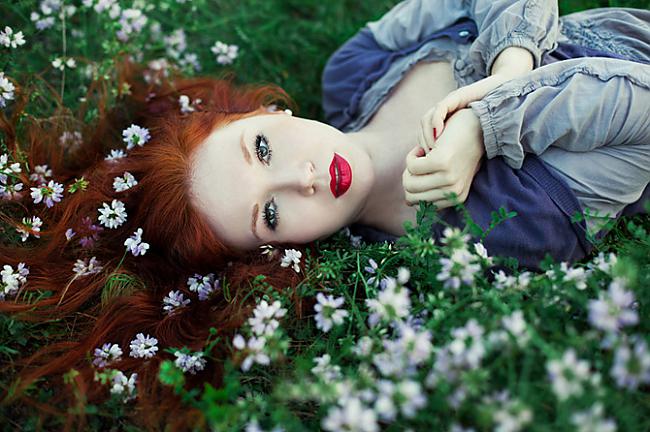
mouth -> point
(340, 175)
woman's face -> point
(266, 179)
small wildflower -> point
(351, 416)
(567, 375)
(392, 303)
(70, 140)
(516, 326)
(371, 269)
(186, 106)
(10, 39)
(84, 268)
(135, 135)
(503, 281)
(264, 320)
(454, 238)
(69, 233)
(12, 280)
(225, 53)
(123, 386)
(107, 354)
(173, 301)
(78, 184)
(113, 215)
(115, 155)
(49, 194)
(40, 174)
(131, 21)
(6, 90)
(204, 286)
(592, 420)
(135, 243)
(576, 275)
(120, 184)
(325, 369)
(328, 312)
(613, 310)
(191, 363)
(61, 63)
(143, 346)
(459, 269)
(30, 227)
(631, 366)
(11, 191)
(90, 231)
(255, 347)
(291, 258)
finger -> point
(430, 195)
(448, 106)
(426, 133)
(417, 163)
(423, 183)
(422, 142)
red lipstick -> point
(340, 170)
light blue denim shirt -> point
(588, 119)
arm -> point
(577, 105)
(529, 24)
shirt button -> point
(463, 33)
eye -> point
(271, 215)
(262, 149)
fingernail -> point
(435, 134)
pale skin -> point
(392, 169)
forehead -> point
(222, 186)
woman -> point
(286, 181)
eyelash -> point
(270, 207)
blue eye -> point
(263, 149)
(271, 215)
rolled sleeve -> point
(577, 105)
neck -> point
(387, 166)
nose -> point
(300, 178)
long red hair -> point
(117, 303)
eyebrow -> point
(256, 207)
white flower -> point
(468, 348)
(576, 275)
(327, 312)
(131, 21)
(123, 386)
(454, 238)
(255, 347)
(392, 303)
(631, 366)
(84, 268)
(510, 415)
(143, 346)
(516, 326)
(204, 286)
(120, 184)
(10, 39)
(174, 300)
(603, 263)
(113, 215)
(30, 226)
(613, 310)
(107, 354)
(406, 394)
(225, 53)
(115, 154)
(503, 281)
(403, 275)
(592, 420)
(6, 90)
(135, 135)
(325, 369)
(175, 43)
(41, 23)
(72, 140)
(372, 269)
(61, 63)
(135, 243)
(458, 269)
(40, 174)
(568, 374)
(264, 320)
(191, 363)
(353, 416)
(69, 233)
(11, 191)
(49, 194)
(291, 258)
(186, 106)
(12, 280)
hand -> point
(449, 167)
(511, 63)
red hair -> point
(117, 303)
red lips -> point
(340, 165)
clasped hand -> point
(449, 167)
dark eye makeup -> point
(263, 151)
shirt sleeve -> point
(530, 24)
(577, 105)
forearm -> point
(577, 105)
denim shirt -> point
(470, 34)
